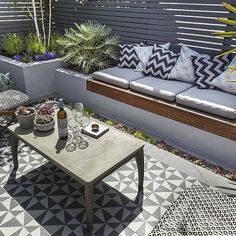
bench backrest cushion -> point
(207, 69)
(227, 80)
(161, 62)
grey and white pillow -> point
(183, 69)
(208, 69)
(161, 62)
(227, 80)
(128, 56)
(144, 54)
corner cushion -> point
(209, 100)
(160, 88)
(118, 76)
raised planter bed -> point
(36, 79)
(211, 147)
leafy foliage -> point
(34, 46)
(230, 34)
(13, 44)
(54, 45)
(89, 47)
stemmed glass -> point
(71, 146)
(85, 121)
(78, 111)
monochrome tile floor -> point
(40, 199)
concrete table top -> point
(87, 165)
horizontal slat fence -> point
(188, 21)
(13, 17)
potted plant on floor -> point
(25, 116)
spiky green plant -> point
(90, 46)
(34, 46)
(13, 44)
(229, 34)
(54, 45)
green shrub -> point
(54, 45)
(13, 44)
(34, 46)
(89, 47)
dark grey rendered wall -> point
(175, 21)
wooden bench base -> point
(201, 120)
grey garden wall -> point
(187, 21)
(213, 148)
(13, 17)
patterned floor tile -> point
(40, 199)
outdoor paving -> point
(40, 199)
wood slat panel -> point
(191, 22)
(13, 17)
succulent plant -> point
(43, 119)
(46, 109)
(24, 111)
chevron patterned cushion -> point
(128, 56)
(206, 69)
(161, 62)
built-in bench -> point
(199, 119)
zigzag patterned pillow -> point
(206, 69)
(128, 56)
(161, 62)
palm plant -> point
(229, 34)
(90, 46)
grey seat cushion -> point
(160, 88)
(11, 99)
(213, 101)
(118, 76)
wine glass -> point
(85, 121)
(78, 111)
(71, 146)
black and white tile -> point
(40, 199)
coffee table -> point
(89, 166)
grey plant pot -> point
(36, 79)
(26, 121)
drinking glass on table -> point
(85, 121)
(78, 111)
(71, 146)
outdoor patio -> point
(117, 118)
(40, 199)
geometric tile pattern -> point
(40, 199)
(199, 211)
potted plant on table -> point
(44, 120)
(25, 116)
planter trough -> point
(36, 79)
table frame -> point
(88, 187)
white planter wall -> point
(36, 79)
(213, 148)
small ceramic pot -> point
(26, 121)
(44, 127)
